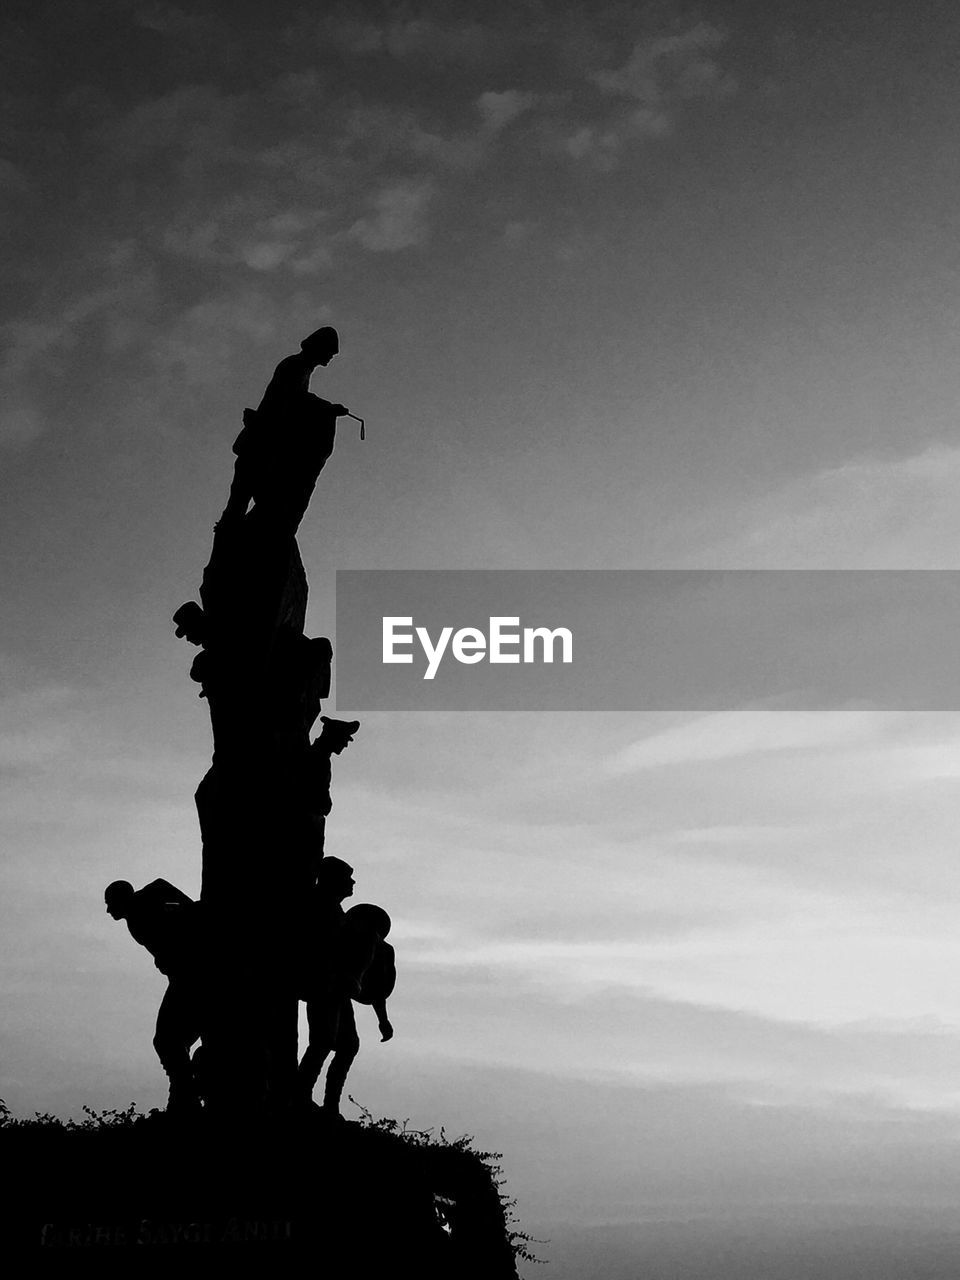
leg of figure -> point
(346, 1049)
(323, 1018)
(177, 1030)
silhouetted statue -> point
(287, 439)
(191, 623)
(263, 803)
(334, 738)
(164, 920)
(348, 961)
(303, 669)
(193, 626)
(326, 997)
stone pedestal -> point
(302, 1199)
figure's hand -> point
(386, 1030)
(340, 410)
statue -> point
(164, 920)
(334, 738)
(287, 439)
(264, 802)
(350, 960)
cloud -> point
(885, 513)
(170, 20)
(741, 733)
(399, 220)
(602, 145)
(670, 69)
(647, 92)
(211, 343)
(374, 134)
(42, 340)
(195, 123)
(299, 190)
(499, 109)
(243, 232)
(409, 37)
(41, 347)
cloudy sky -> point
(618, 286)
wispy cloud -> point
(408, 36)
(871, 512)
(498, 109)
(398, 220)
(742, 733)
(670, 69)
(208, 344)
(643, 98)
(41, 346)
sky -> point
(618, 286)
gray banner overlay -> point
(648, 640)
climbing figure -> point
(351, 961)
(164, 920)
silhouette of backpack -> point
(380, 976)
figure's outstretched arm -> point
(383, 1022)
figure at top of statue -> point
(287, 439)
(291, 378)
(164, 920)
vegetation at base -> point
(376, 1129)
(518, 1240)
(93, 1123)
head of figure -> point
(337, 734)
(335, 878)
(118, 896)
(321, 346)
(191, 622)
(371, 918)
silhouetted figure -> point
(164, 920)
(193, 626)
(301, 668)
(191, 623)
(287, 439)
(335, 737)
(350, 961)
(328, 1000)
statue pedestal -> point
(302, 1197)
